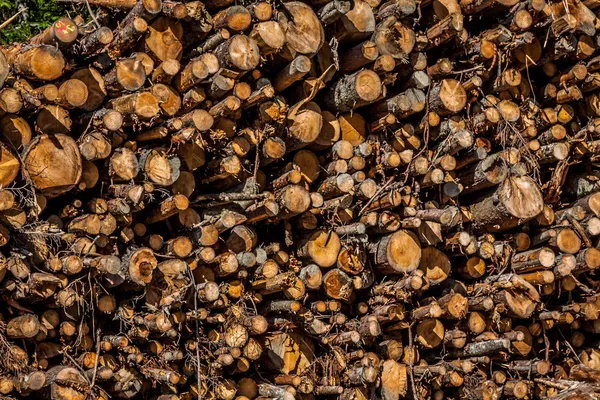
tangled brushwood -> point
(345, 199)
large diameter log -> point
(239, 53)
(42, 63)
(53, 163)
(140, 264)
(289, 353)
(353, 91)
(164, 38)
(293, 200)
(23, 327)
(517, 200)
(520, 298)
(9, 166)
(96, 89)
(293, 72)
(65, 383)
(394, 380)
(399, 252)
(303, 31)
(435, 265)
(304, 126)
(394, 39)
(322, 247)
(4, 69)
(447, 97)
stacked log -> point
(331, 199)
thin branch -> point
(11, 19)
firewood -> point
(322, 195)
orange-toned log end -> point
(164, 38)
(73, 93)
(293, 200)
(304, 126)
(66, 384)
(9, 166)
(141, 263)
(96, 90)
(430, 333)
(394, 380)
(435, 264)
(322, 247)
(44, 63)
(338, 285)
(303, 30)
(399, 252)
(243, 52)
(449, 97)
(53, 163)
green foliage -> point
(41, 13)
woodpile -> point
(365, 199)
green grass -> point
(41, 14)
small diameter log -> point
(94, 41)
(353, 91)
(402, 105)
(165, 72)
(124, 37)
(291, 73)
(62, 32)
(477, 349)
(141, 104)
(192, 74)
(489, 172)
(167, 208)
(531, 260)
(358, 56)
